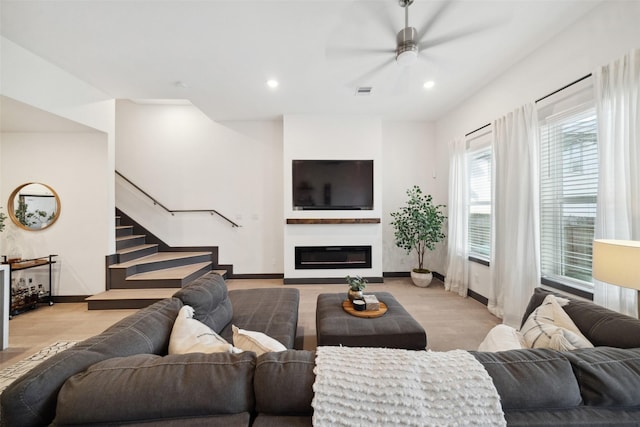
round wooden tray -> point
(348, 307)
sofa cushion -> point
(601, 326)
(550, 327)
(264, 420)
(210, 300)
(192, 336)
(532, 378)
(31, 400)
(502, 338)
(283, 383)
(608, 376)
(150, 387)
(273, 311)
(581, 416)
(254, 341)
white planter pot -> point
(421, 280)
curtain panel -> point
(456, 279)
(515, 262)
(618, 211)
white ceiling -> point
(224, 51)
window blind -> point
(479, 222)
(568, 194)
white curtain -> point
(456, 277)
(515, 262)
(618, 213)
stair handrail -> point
(174, 211)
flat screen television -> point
(332, 184)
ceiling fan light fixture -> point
(407, 57)
(407, 49)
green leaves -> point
(418, 224)
(356, 283)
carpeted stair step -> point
(165, 263)
(115, 299)
(119, 299)
(135, 252)
(173, 277)
(124, 242)
(124, 230)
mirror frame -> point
(11, 207)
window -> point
(568, 194)
(479, 221)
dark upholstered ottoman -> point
(395, 329)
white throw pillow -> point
(192, 336)
(549, 326)
(502, 338)
(255, 341)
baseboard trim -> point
(408, 274)
(476, 296)
(396, 274)
(69, 298)
(257, 276)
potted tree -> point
(418, 227)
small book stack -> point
(372, 303)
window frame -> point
(575, 102)
(478, 143)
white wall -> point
(58, 160)
(74, 165)
(409, 153)
(186, 161)
(330, 137)
(604, 34)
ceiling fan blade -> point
(349, 52)
(380, 13)
(455, 35)
(365, 79)
(426, 27)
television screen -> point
(332, 184)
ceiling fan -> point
(410, 41)
(407, 39)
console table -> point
(28, 296)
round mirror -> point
(34, 206)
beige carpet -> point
(451, 322)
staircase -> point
(142, 272)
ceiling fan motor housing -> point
(407, 48)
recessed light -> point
(429, 84)
(272, 83)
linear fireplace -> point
(332, 257)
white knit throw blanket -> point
(389, 387)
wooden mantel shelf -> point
(333, 220)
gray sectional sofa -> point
(32, 399)
(123, 376)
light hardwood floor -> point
(451, 322)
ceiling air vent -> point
(364, 91)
